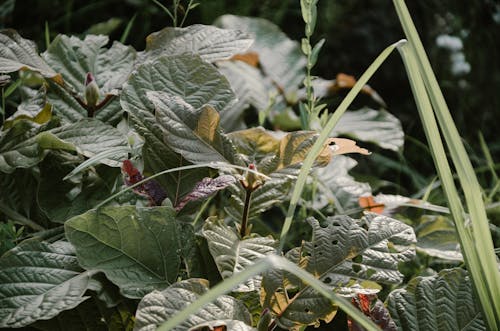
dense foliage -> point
(134, 182)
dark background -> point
(356, 31)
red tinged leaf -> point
(150, 189)
(372, 307)
(205, 188)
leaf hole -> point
(335, 242)
(356, 268)
(307, 311)
(358, 259)
(327, 280)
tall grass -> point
(472, 224)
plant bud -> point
(91, 90)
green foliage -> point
(197, 116)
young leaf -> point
(207, 187)
(372, 307)
(40, 280)
(193, 133)
(17, 53)
(149, 257)
(209, 42)
(157, 307)
(233, 254)
(445, 301)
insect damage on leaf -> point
(150, 189)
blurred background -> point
(462, 39)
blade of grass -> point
(487, 272)
(271, 261)
(472, 256)
(126, 32)
(325, 134)
(47, 35)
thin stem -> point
(246, 212)
(16, 217)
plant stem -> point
(246, 212)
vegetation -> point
(210, 178)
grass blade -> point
(324, 135)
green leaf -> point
(280, 58)
(233, 254)
(40, 280)
(193, 133)
(368, 249)
(25, 144)
(209, 42)
(197, 83)
(61, 200)
(73, 58)
(379, 127)
(149, 257)
(342, 254)
(35, 108)
(17, 53)
(157, 307)
(445, 301)
(336, 186)
(437, 237)
(91, 137)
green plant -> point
(112, 156)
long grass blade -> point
(474, 233)
(257, 268)
(324, 135)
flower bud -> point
(91, 90)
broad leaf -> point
(91, 137)
(337, 187)
(197, 83)
(379, 127)
(280, 57)
(26, 143)
(445, 301)
(35, 108)
(343, 253)
(40, 280)
(17, 53)
(193, 133)
(209, 42)
(157, 307)
(73, 58)
(233, 254)
(149, 257)
(437, 237)
(342, 249)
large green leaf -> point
(379, 127)
(137, 248)
(445, 301)
(38, 281)
(343, 253)
(157, 307)
(280, 57)
(91, 137)
(209, 42)
(368, 249)
(193, 133)
(73, 58)
(197, 83)
(233, 254)
(17, 53)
